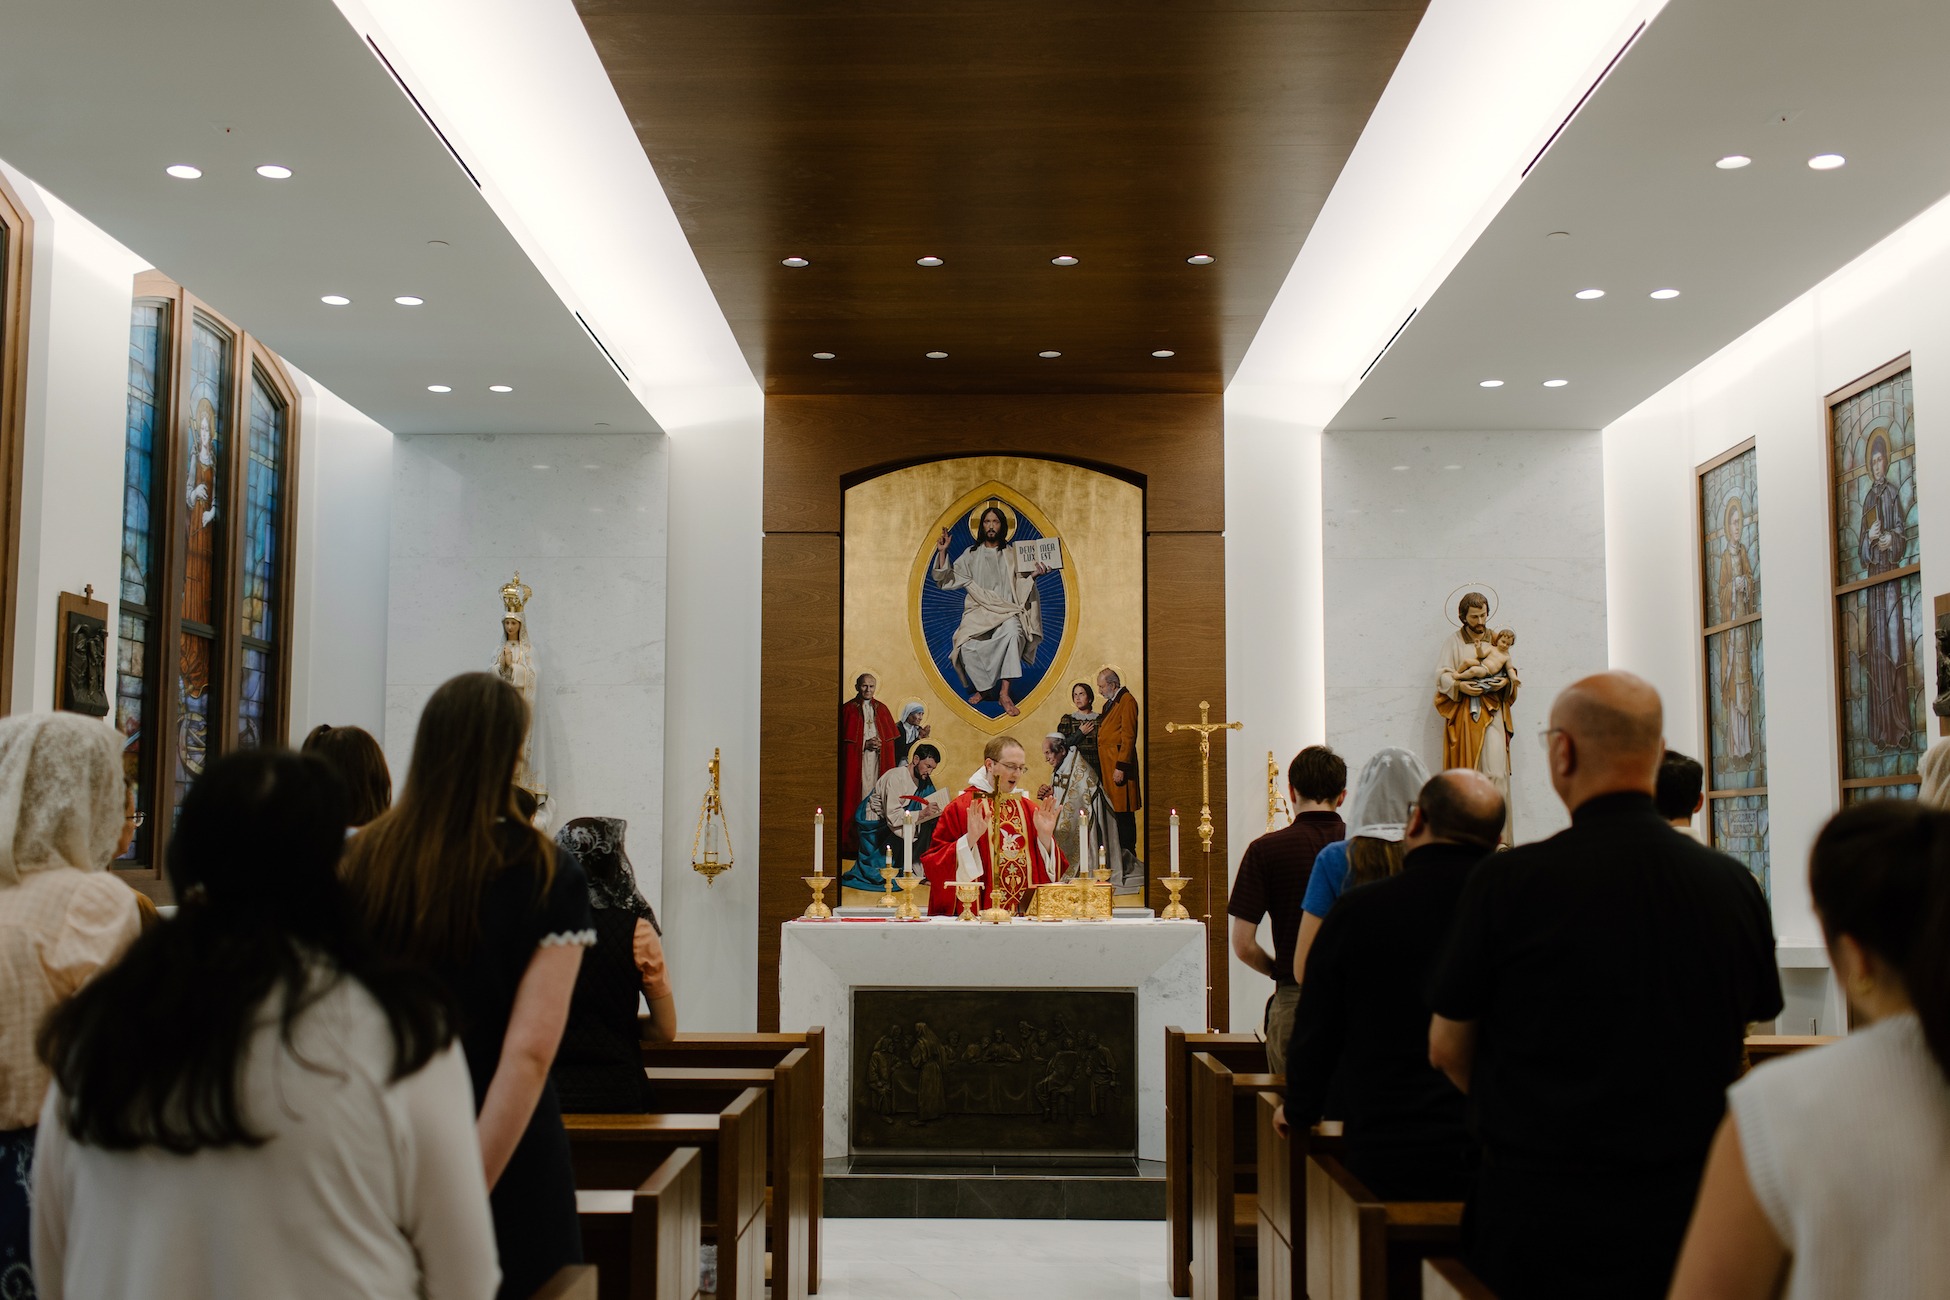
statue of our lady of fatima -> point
(514, 663)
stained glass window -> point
(148, 384)
(1736, 698)
(1880, 626)
(201, 632)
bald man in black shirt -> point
(1591, 1000)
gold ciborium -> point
(967, 893)
(909, 909)
(1175, 910)
(817, 909)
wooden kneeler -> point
(621, 1152)
(644, 1243)
(1241, 1053)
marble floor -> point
(992, 1259)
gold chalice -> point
(967, 893)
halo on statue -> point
(1449, 602)
(1008, 520)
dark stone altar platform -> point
(958, 1188)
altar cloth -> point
(1163, 962)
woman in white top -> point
(250, 1105)
(64, 815)
(1830, 1177)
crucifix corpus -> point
(1205, 727)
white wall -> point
(339, 605)
(1275, 666)
(77, 382)
(1768, 385)
(716, 541)
(582, 517)
(1410, 518)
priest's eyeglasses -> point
(1013, 767)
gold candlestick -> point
(909, 909)
(817, 910)
(1204, 727)
(887, 898)
(1175, 910)
(967, 893)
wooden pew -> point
(1448, 1279)
(1762, 1048)
(576, 1282)
(1281, 1197)
(698, 1072)
(620, 1152)
(1242, 1053)
(1225, 1137)
(644, 1243)
(1362, 1248)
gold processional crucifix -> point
(1205, 727)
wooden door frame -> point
(16, 287)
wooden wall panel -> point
(800, 632)
(1185, 636)
(1172, 445)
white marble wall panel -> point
(821, 963)
(583, 518)
(1409, 518)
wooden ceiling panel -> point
(996, 136)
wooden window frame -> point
(16, 279)
(249, 359)
(1706, 633)
(1837, 588)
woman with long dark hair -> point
(361, 766)
(454, 878)
(250, 1103)
(1831, 1173)
(600, 1067)
(65, 812)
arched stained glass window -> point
(205, 549)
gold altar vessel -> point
(1072, 900)
(967, 893)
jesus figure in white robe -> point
(1002, 615)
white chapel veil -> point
(1388, 784)
(62, 795)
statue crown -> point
(515, 594)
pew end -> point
(1360, 1247)
(576, 1282)
(1448, 1279)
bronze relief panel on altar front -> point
(992, 1071)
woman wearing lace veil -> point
(65, 813)
(599, 1069)
(1377, 817)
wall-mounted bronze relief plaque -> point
(81, 654)
(992, 1071)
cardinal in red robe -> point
(867, 735)
(994, 833)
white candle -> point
(819, 841)
(1174, 841)
(1100, 858)
(1083, 828)
(907, 843)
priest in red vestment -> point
(994, 833)
(867, 735)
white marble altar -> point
(822, 962)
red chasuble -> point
(1012, 861)
(853, 736)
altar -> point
(1158, 965)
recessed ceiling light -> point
(1064, 260)
(937, 356)
(822, 356)
(795, 262)
(1555, 383)
(1589, 294)
(544, 466)
(440, 388)
(274, 172)
(1200, 259)
(501, 388)
(1826, 162)
(1164, 352)
(1452, 467)
(408, 300)
(1489, 383)
(1733, 162)
(1049, 355)
(336, 300)
(1663, 294)
(1401, 469)
(929, 260)
(183, 171)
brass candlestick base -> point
(967, 893)
(817, 909)
(1103, 875)
(909, 909)
(887, 899)
(997, 914)
(1175, 910)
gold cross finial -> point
(1204, 727)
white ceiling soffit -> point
(97, 97)
(1633, 184)
(1479, 90)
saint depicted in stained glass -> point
(1883, 538)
